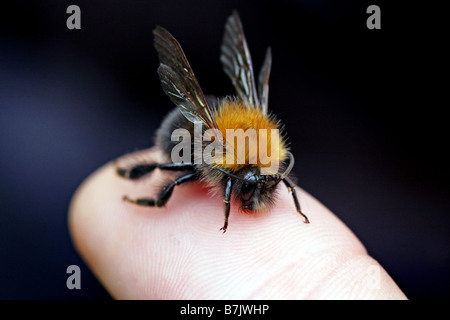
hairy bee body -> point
(173, 121)
(230, 114)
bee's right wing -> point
(178, 80)
(237, 64)
(263, 81)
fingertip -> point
(84, 213)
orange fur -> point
(234, 114)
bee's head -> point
(256, 191)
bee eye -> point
(247, 191)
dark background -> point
(362, 108)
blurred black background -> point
(362, 109)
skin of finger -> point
(178, 252)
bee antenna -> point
(289, 168)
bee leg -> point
(141, 170)
(136, 172)
(164, 194)
(288, 182)
(226, 199)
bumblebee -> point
(249, 180)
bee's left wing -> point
(178, 80)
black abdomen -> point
(174, 120)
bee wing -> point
(263, 81)
(178, 80)
(237, 64)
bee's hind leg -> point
(141, 170)
(164, 194)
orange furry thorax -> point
(234, 116)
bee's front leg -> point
(226, 199)
(288, 182)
